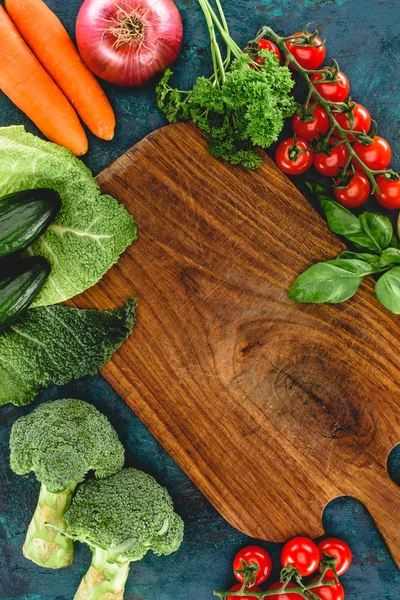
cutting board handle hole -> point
(393, 464)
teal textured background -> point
(364, 36)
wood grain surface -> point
(272, 408)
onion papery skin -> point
(133, 62)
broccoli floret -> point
(121, 518)
(61, 442)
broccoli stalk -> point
(61, 442)
(44, 545)
(103, 578)
(121, 518)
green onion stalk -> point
(329, 74)
(223, 60)
(242, 106)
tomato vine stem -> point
(301, 590)
(326, 105)
(218, 22)
(305, 591)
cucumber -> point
(24, 216)
(20, 283)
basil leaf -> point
(344, 223)
(332, 281)
(378, 228)
(340, 220)
(387, 290)
(390, 256)
(316, 188)
(371, 259)
(370, 231)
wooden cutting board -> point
(272, 408)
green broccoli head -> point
(61, 441)
(127, 515)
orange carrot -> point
(26, 83)
(50, 42)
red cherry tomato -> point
(291, 161)
(334, 91)
(333, 546)
(389, 192)
(316, 125)
(310, 56)
(268, 45)
(328, 592)
(331, 164)
(285, 595)
(376, 156)
(252, 555)
(362, 121)
(238, 587)
(354, 194)
(302, 553)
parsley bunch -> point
(244, 103)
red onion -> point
(126, 42)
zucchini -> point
(20, 283)
(24, 216)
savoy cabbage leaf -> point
(90, 231)
(55, 344)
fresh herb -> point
(390, 256)
(387, 290)
(338, 280)
(244, 103)
(371, 259)
(90, 231)
(332, 281)
(369, 231)
(55, 344)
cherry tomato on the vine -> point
(309, 56)
(375, 156)
(355, 194)
(313, 126)
(294, 156)
(302, 553)
(333, 546)
(252, 555)
(389, 192)
(331, 164)
(362, 121)
(333, 91)
(268, 45)
(285, 595)
(328, 592)
(238, 587)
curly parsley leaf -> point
(239, 112)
